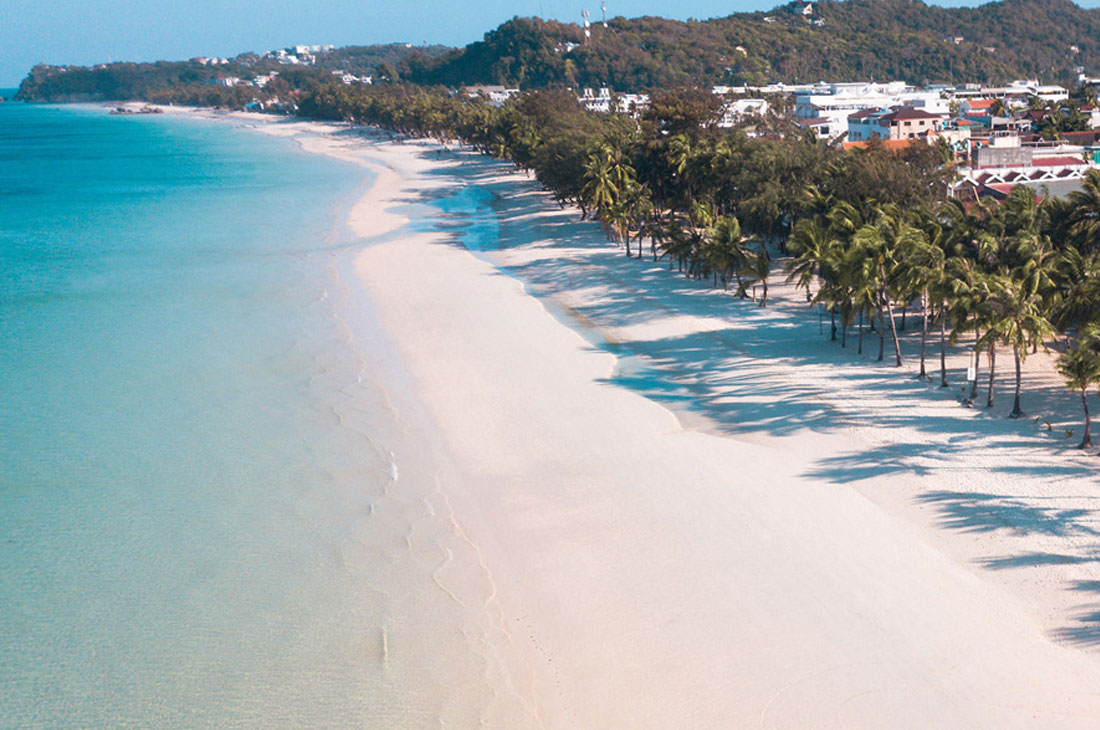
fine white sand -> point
(739, 525)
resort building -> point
(495, 95)
(843, 100)
(898, 123)
(740, 109)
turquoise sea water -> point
(191, 454)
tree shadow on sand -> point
(773, 371)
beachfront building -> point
(737, 110)
(894, 124)
(495, 95)
(827, 113)
(1004, 160)
(1019, 89)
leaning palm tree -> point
(727, 250)
(1016, 317)
(921, 271)
(1084, 217)
(1077, 287)
(756, 270)
(1081, 369)
(809, 247)
(880, 241)
(859, 272)
(599, 191)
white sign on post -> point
(971, 373)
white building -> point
(1019, 88)
(739, 109)
(596, 102)
(495, 95)
(894, 124)
(830, 110)
(632, 103)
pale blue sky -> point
(94, 31)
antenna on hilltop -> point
(603, 8)
(587, 31)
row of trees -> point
(869, 233)
(1012, 275)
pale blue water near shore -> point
(197, 510)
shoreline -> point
(841, 593)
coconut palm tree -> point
(1084, 217)
(599, 190)
(860, 274)
(727, 250)
(968, 292)
(921, 270)
(810, 244)
(1016, 317)
(756, 270)
(1077, 287)
(880, 240)
(1081, 369)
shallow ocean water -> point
(213, 512)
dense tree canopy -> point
(843, 40)
(856, 40)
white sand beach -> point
(735, 523)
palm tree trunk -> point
(832, 314)
(881, 331)
(893, 328)
(977, 363)
(943, 346)
(992, 373)
(859, 350)
(764, 301)
(1016, 410)
(1086, 440)
(923, 331)
(904, 310)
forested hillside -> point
(189, 81)
(841, 40)
(855, 40)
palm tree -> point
(1081, 369)
(637, 210)
(599, 191)
(859, 272)
(1077, 289)
(809, 247)
(755, 270)
(679, 158)
(922, 271)
(1084, 222)
(1016, 318)
(727, 251)
(880, 241)
(969, 291)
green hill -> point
(854, 40)
(841, 40)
